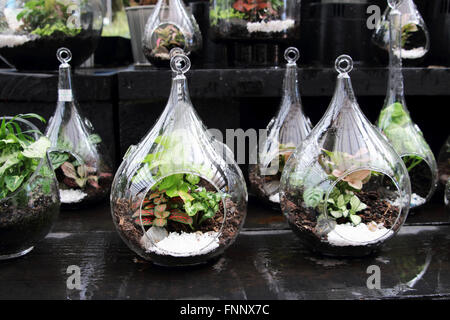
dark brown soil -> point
(421, 179)
(40, 54)
(304, 223)
(21, 227)
(229, 226)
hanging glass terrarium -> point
(29, 201)
(268, 20)
(179, 198)
(345, 191)
(170, 26)
(284, 133)
(415, 40)
(397, 125)
(82, 166)
(32, 31)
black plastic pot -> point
(332, 27)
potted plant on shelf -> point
(138, 13)
(29, 201)
(31, 31)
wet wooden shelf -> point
(266, 262)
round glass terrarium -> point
(415, 40)
(396, 124)
(81, 163)
(179, 198)
(267, 20)
(170, 26)
(29, 201)
(345, 191)
(32, 31)
(285, 132)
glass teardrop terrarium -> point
(170, 26)
(179, 197)
(82, 165)
(345, 191)
(415, 39)
(396, 124)
(284, 133)
(32, 30)
(29, 201)
(261, 20)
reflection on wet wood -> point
(264, 263)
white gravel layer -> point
(11, 40)
(349, 235)
(414, 53)
(270, 26)
(71, 195)
(416, 201)
(184, 244)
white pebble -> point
(71, 195)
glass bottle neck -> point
(179, 91)
(344, 100)
(291, 93)
(395, 84)
(65, 92)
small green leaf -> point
(340, 201)
(95, 139)
(192, 179)
(37, 149)
(336, 214)
(355, 219)
(312, 197)
(13, 182)
(355, 202)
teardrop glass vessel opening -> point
(284, 133)
(415, 39)
(396, 124)
(170, 26)
(31, 204)
(179, 198)
(345, 191)
(78, 156)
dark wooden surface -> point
(266, 262)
